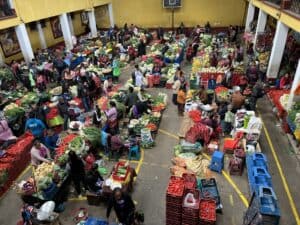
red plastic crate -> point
(175, 187)
(118, 178)
(190, 181)
(207, 213)
(173, 222)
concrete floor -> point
(154, 174)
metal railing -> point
(5, 10)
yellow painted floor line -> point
(282, 176)
(168, 133)
(140, 162)
(225, 174)
(231, 199)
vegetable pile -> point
(77, 145)
(93, 135)
(13, 111)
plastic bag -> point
(189, 201)
(46, 211)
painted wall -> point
(32, 10)
(79, 29)
(151, 13)
(102, 16)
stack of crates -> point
(209, 190)
(207, 212)
(263, 208)
(258, 174)
(190, 213)
(236, 166)
(174, 200)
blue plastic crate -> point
(268, 204)
(95, 221)
(260, 181)
(217, 161)
(259, 159)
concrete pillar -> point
(71, 25)
(65, 27)
(277, 50)
(11, 4)
(111, 15)
(295, 84)
(250, 16)
(24, 42)
(261, 24)
(41, 35)
(92, 23)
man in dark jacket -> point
(141, 48)
(123, 206)
(131, 100)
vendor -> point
(94, 180)
(285, 82)
(112, 118)
(237, 99)
(35, 126)
(63, 111)
(211, 83)
(189, 53)
(203, 94)
(252, 73)
(141, 48)
(156, 69)
(107, 85)
(51, 140)
(97, 116)
(214, 60)
(74, 111)
(39, 153)
(243, 82)
(6, 134)
(140, 108)
(115, 145)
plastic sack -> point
(46, 211)
(189, 201)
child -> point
(228, 120)
(181, 97)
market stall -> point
(14, 160)
(204, 68)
